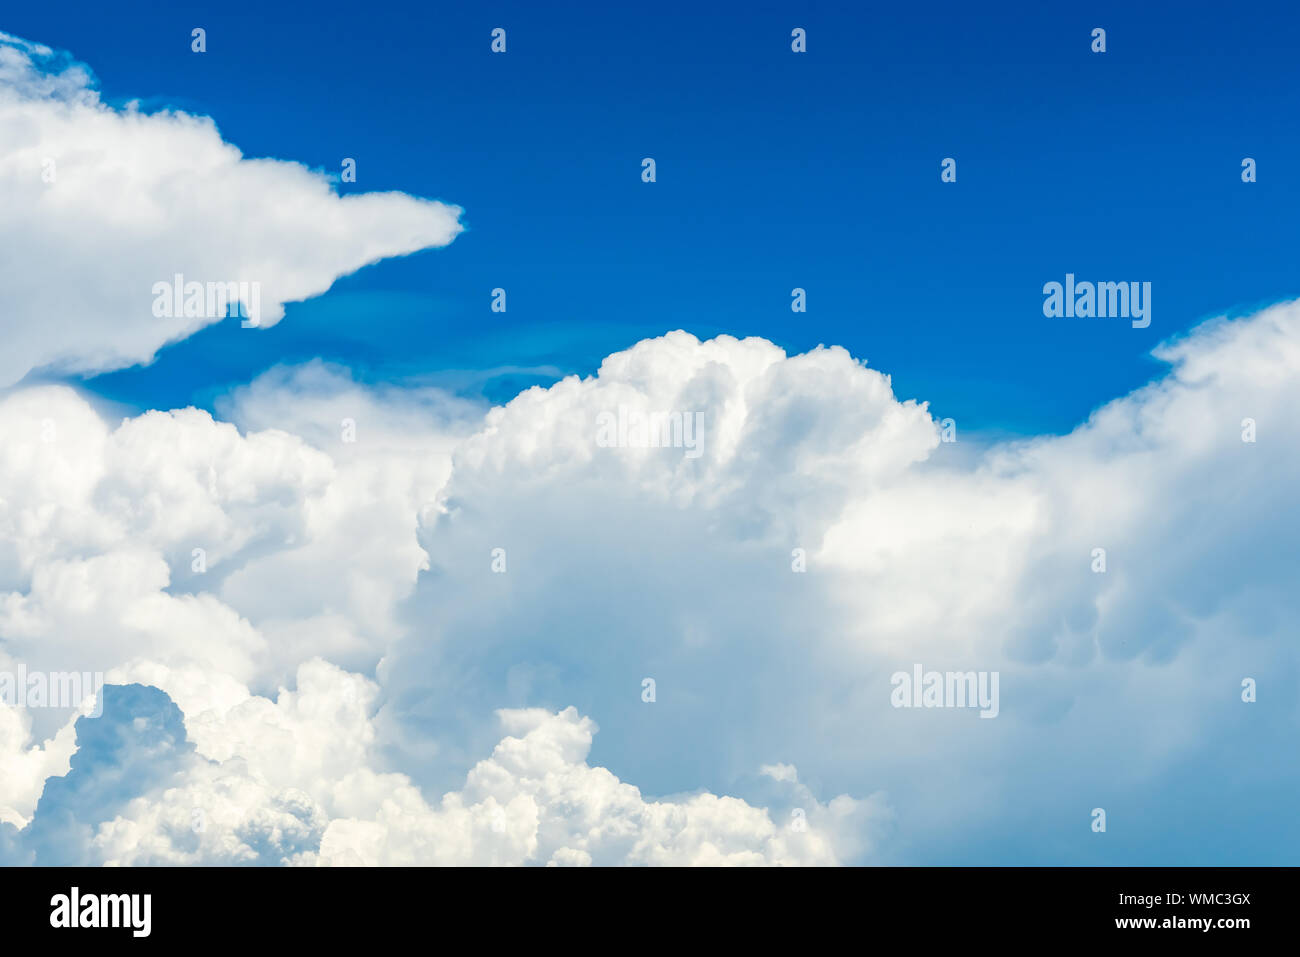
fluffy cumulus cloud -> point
(357, 644)
(351, 624)
(626, 563)
(307, 551)
(247, 780)
(175, 199)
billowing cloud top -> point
(332, 553)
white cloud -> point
(626, 563)
(24, 766)
(536, 800)
(290, 781)
(132, 199)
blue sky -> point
(775, 170)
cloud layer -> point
(348, 654)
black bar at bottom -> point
(592, 908)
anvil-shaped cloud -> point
(109, 202)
